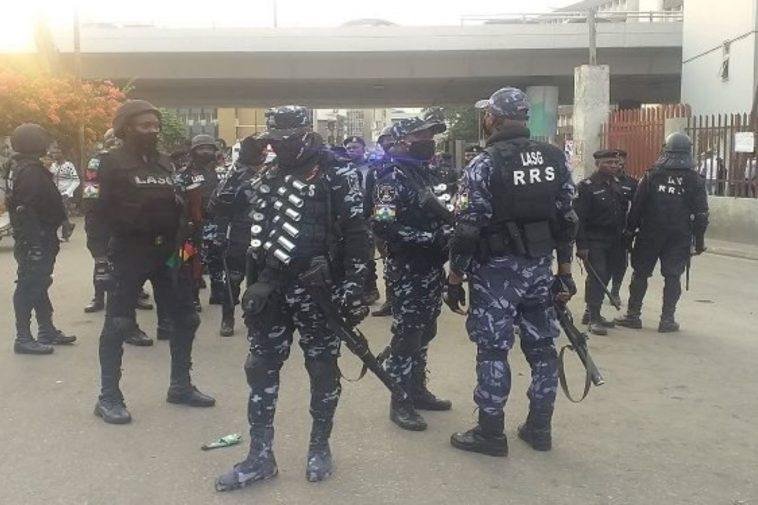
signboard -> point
(744, 142)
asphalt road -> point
(675, 423)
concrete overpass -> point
(375, 66)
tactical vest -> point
(145, 201)
(524, 188)
(667, 205)
(291, 219)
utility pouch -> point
(259, 298)
(538, 239)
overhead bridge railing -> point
(575, 17)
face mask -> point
(205, 157)
(289, 151)
(422, 150)
(146, 142)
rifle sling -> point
(564, 383)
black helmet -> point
(407, 126)
(203, 140)
(128, 110)
(286, 120)
(678, 143)
(30, 138)
(677, 153)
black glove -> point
(699, 245)
(564, 283)
(103, 277)
(454, 297)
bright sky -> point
(17, 17)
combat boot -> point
(259, 465)
(629, 321)
(25, 344)
(487, 437)
(668, 324)
(404, 415)
(319, 465)
(384, 310)
(138, 338)
(182, 391)
(227, 325)
(536, 430)
(96, 304)
(112, 411)
(422, 398)
(50, 335)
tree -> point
(59, 105)
(173, 131)
(462, 123)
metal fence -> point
(568, 17)
(726, 170)
(640, 133)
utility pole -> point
(592, 29)
(78, 79)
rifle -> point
(578, 344)
(429, 202)
(593, 273)
(316, 282)
(225, 266)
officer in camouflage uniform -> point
(307, 212)
(669, 216)
(417, 242)
(139, 209)
(232, 212)
(513, 210)
(36, 212)
(385, 141)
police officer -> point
(137, 206)
(308, 213)
(36, 212)
(97, 242)
(200, 174)
(385, 141)
(470, 152)
(231, 209)
(602, 206)
(628, 185)
(355, 147)
(669, 215)
(417, 242)
(513, 210)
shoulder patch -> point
(386, 193)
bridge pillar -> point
(543, 115)
(591, 107)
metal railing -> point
(575, 17)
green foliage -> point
(462, 123)
(173, 131)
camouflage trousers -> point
(416, 298)
(504, 292)
(277, 312)
(211, 251)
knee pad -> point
(257, 368)
(324, 373)
(408, 343)
(491, 355)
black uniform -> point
(36, 212)
(628, 186)
(137, 206)
(233, 218)
(670, 210)
(602, 207)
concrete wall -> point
(704, 32)
(733, 219)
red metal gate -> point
(640, 132)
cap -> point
(354, 139)
(510, 103)
(603, 154)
